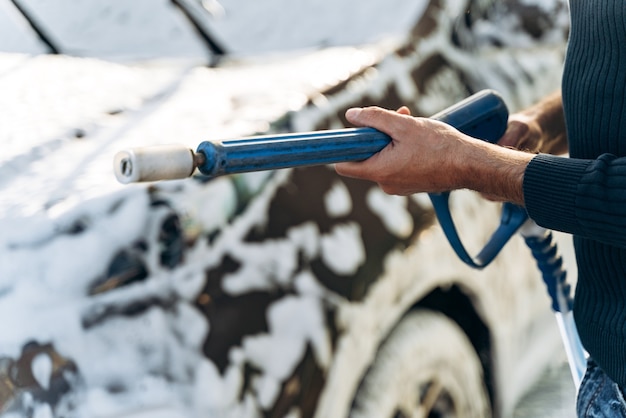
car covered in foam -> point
(292, 293)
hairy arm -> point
(430, 156)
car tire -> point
(426, 367)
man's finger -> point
(404, 111)
(374, 117)
(353, 169)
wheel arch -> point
(458, 298)
(460, 304)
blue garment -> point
(585, 195)
(599, 396)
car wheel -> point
(426, 367)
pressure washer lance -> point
(482, 115)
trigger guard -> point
(512, 218)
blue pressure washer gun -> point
(483, 115)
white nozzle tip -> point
(163, 162)
(124, 167)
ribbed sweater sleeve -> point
(585, 194)
(578, 196)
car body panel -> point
(255, 294)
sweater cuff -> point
(550, 188)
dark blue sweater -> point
(585, 195)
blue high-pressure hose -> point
(550, 263)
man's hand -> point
(540, 128)
(523, 133)
(426, 155)
(416, 158)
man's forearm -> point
(497, 172)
